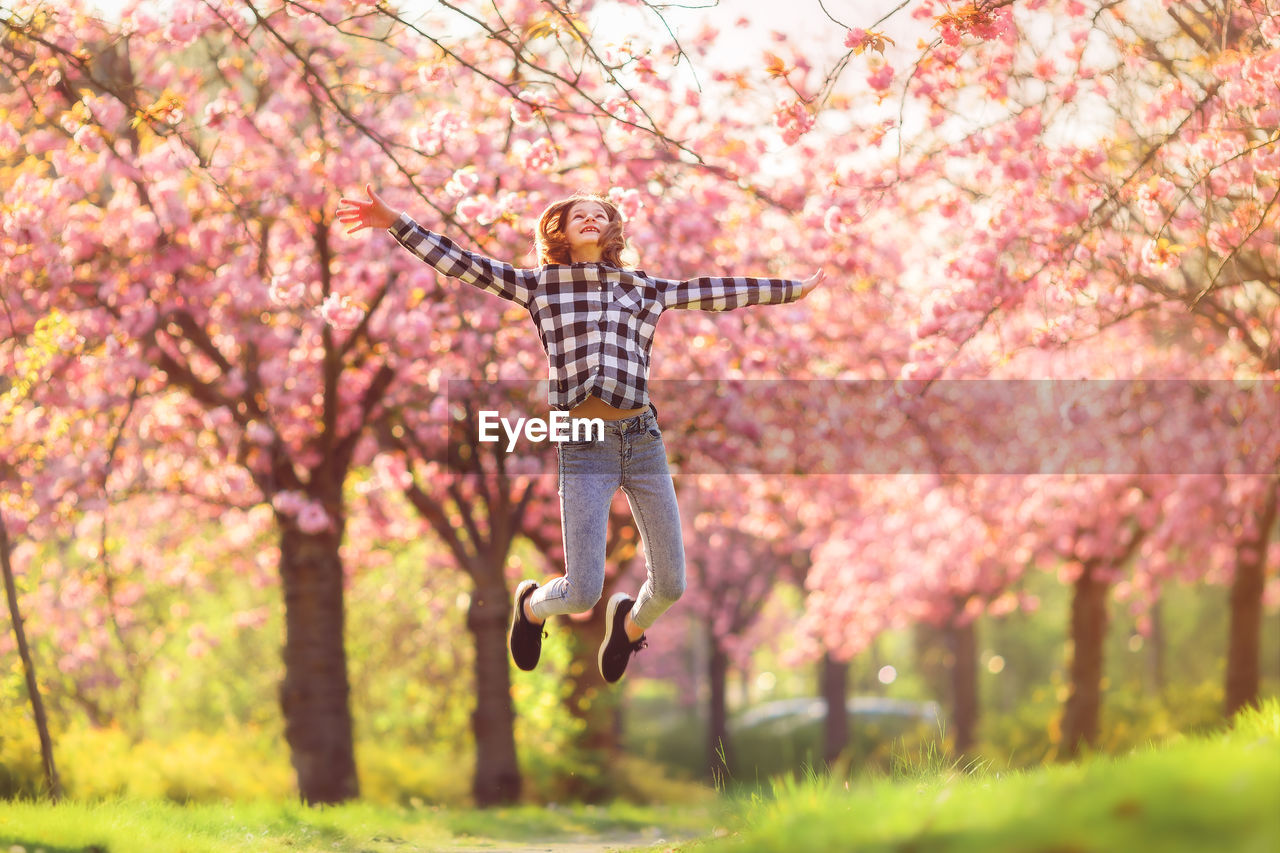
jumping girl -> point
(596, 320)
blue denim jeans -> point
(631, 457)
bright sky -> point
(806, 22)
(802, 18)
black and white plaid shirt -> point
(596, 321)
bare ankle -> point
(528, 614)
(634, 631)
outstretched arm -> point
(716, 293)
(439, 251)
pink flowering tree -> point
(535, 139)
(188, 245)
(918, 549)
(732, 574)
(1078, 167)
(185, 245)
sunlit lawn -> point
(1203, 794)
(1217, 794)
(161, 827)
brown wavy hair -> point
(553, 246)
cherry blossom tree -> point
(1078, 167)
(168, 146)
(470, 495)
(732, 575)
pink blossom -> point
(340, 312)
(9, 138)
(855, 38)
(522, 113)
(431, 73)
(250, 619)
(288, 502)
(1159, 255)
(89, 138)
(462, 182)
(629, 202)
(1270, 29)
(259, 433)
(182, 31)
(1266, 159)
(837, 220)
(1148, 203)
(286, 294)
(881, 78)
(540, 156)
(794, 119)
(425, 139)
(1269, 117)
(527, 107)
(624, 110)
(312, 518)
(480, 209)
(1224, 238)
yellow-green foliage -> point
(234, 764)
(394, 774)
(20, 772)
(190, 767)
(247, 764)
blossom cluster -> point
(794, 118)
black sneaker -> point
(617, 649)
(525, 637)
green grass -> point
(1219, 794)
(1212, 793)
(126, 826)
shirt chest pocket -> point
(627, 314)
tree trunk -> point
(719, 752)
(834, 676)
(593, 704)
(1245, 631)
(51, 781)
(315, 693)
(1156, 656)
(933, 658)
(1088, 632)
(963, 641)
(497, 775)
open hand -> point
(373, 213)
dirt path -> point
(602, 844)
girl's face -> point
(583, 226)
